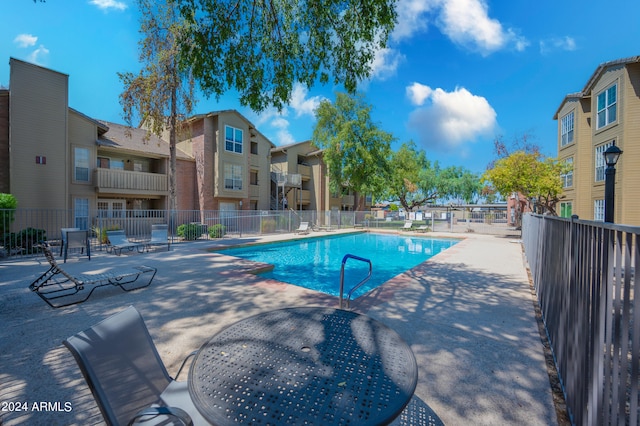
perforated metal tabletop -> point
(304, 366)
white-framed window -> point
(81, 164)
(566, 129)
(607, 106)
(566, 208)
(567, 178)
(233, 139)
(233, 176)
(598, 210)
(81, 213)
(600, 164)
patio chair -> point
(63, 239)
(126, 375)
(59, 288)
(159, 236)
(77, 239)
(303, 228)
(407, 226)
(119, 241)
(422, 228)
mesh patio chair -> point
(63, 241)
(303, 228)
(126, 375)
(159, 236)
(119, 241)
(77, 239)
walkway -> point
(467, 314)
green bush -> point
(217, 231)
(268, 226)
(8, 204)
(101, 233)
(26, 239)
(190, 231)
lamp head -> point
(611, 155)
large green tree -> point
(355, 150)
(161, 95)
(414, 181)
(536, 178)
(262, 48)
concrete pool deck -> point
(467, 313)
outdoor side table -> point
(317, 366)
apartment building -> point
(232, 161)
(300, 181)
(54, 157)
(605, 112)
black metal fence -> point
(584, 276)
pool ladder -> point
(344, 261)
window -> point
(607, 106)
(81, 213)
(81, 164)
(232, 139)
(565, 209)
(566, 129)
(253, 177)
(567, 178)
(599, 160)
(598, 210)
(232, 176)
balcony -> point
(305, 171)
(127, 182)
(254, 191)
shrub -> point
(101, 233)
(8, 204)
(190, 231)
(268, 226)
(217, 231)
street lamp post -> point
(611, 156)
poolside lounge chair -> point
(422, 228)
(120, 362)
(303, 228)
(407, 226)
(59, 288)
(118, 241)
(159, 236)
(77, 239)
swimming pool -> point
(315, 263)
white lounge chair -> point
(303, 228)
(422, 228)
(407, 226)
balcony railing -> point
(124, 181)
(305, 171)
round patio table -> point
(306, 365)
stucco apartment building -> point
(55, 157)
(300, 178)
(605, 112)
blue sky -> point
(456, 73)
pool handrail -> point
(344, 261)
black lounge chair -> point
(126, 375)
(118, 241)
(58, 285)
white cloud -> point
(412, 17)
(558, 43)
(109, 4)
(444, 120)
(467, 23)
(418, 93)
(301, 104)
(39, 55)
(25, 40)
(385, 64)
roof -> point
(121, 137)
(291, 145)
(586, 91)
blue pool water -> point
(315, 263)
